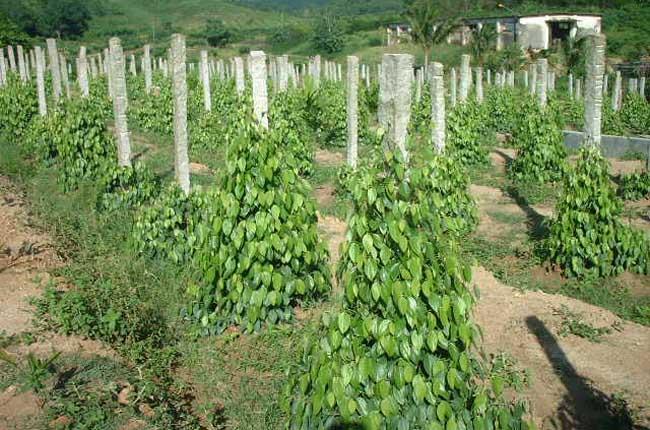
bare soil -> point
(328, 158)
(26, 256)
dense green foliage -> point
(262, 255)
(635, 114)
(466, 133)
(18, 105)
(154, 111)
(126, 187)
(587, 236)
(634, 186)
(49, 18)
(541, 156)
(327, 35)
(172, 226)
(398, 355)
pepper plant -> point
(126, 187)
(466, 131)
(18, 106)
(541, 156)
(587, 236)
(398, 355)
(634, 186)
(263, 255)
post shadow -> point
(584, 407)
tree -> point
(430, 24)
(65, 18)
(328, 35)
(482, 40)
(216, 33)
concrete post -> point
(55, 69)
(632, 86)
(595, 70)
(147, 68)
(605, 85)
(463, 89)
(40, 81)
(479, 84)
(395, 99)
(526, 79)
(437, 89)
(542, 75)
(571, 86)
(578, 91)
(489, 77)
(642, 87)
(82, 73)
(64, 74)
(21, 63)
(352, 110)
(283, 72)
(179, 88)
(617, 94)
(120, 102)
(260, 97)
(132, 67)
(3, 69)
(315, 64)
(12, 58)
(498, 37)
(240, 82)
(28, 73)
(533, 79)
(205, 81)
(452, 88)
(93, 67)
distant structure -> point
(536, 32)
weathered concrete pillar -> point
(352, 110)
(571, 96)
(605, 85)
(418, 86)
(511, 79)
(21, 63)
(28, 73)
(314, 70)
(32, 57)
(642, 87)
(179, 89)
(132, 67)
(551, 82)
(64, 75)
(205, 81)
(120, 102)
(533, 79)
(489, 77)
(479, 84)
(578, 91)
(395, 99)
(283, 72)
(108, 72)
(632, 86)
(240, 81)
(3, 69)
(94, 70)
(452, 88)
(40, 80)
(618, 92)
(542, 75)
(595, 69)
(12, 58)
(82, 72)
(339, 72)
(525, 78)
(463, 89)
(55, 69)
(260, 97)
(437, 89)
(147, 68)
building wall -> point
(534, 31)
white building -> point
(535, 32)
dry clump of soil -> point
(325, 195)
(573, 380)
(333, 229)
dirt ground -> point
(574, 383)
(25, 258)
